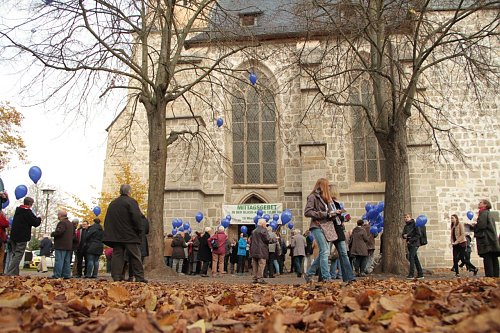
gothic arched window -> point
(254, 137)
(369, 160)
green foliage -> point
(11, 143)
(34, 244)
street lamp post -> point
(47, 192)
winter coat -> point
(81, 239)
(371, 237)
(63, 235)
(298, 244)
(94, 244)
(204, 251)
(221, 238)
(23, 220)
(458, 232)
(242, 247)
(193, 250)
(358, 242)
(316, 209)
(46, 247)
(4, 224)
(167, 247)
(123, 223)
(411, 233)
(486, 234)
(258, 244)
(144, 237)
(178, 246)
(339, 224)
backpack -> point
(423, 235)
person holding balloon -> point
(487, 243)
(20, 234)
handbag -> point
(214, 242)
(329, 231)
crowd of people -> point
(325, 250)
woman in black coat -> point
(204, 252)
(93, 248)
(486, 239)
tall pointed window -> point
(369, 160)
(254, 137)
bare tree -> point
(388, 50)
(135, 46)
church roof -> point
(275, 19)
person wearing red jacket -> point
(218, 250)
(4, 224)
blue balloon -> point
(290, 225)
(374, 230)
(186, 225)
(372, 214)
(286, 216)
(266, 217)
(228, 217)
(273, 225)
(97, 210)
(470, 215)
(244, 229)
(174, 231)
(21, 191)
(5, 204)
(256, 219)
(276, 217)
(199, 217)
(380, 207)
(368, 207)
(189, 231)
(174, 223)
(35, 174)
(220, 122)
(253, 78)
(260, 212)
(179, 223)
(379, 219)
(421, 221)
(225, 223)
(181, 229)
(364, 217)
(380, 229)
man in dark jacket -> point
(412, 236)
(122, 232)
(20, 235)
(63, 246)
(46, 248)
(204, 252)
(259, 251)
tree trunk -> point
(154, 265)
(396, 200)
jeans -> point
(322, 259)
(414, 262)
(298, 262)
(91, 265)
(17, 255)
(62, 266)
(345, 263)
(334, 267)
(276, 266)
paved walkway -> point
(440, 274)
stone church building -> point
(277, 139)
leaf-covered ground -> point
(34, 304)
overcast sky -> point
(69, 152)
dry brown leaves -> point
(43, 305)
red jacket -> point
(221, 239)
(4, 224)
